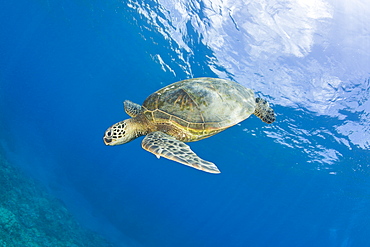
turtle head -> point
(119, 133)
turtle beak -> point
(107, 140)
(107, 137)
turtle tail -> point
(264, 111)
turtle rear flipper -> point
(132, 109)
(264, 111)
(168, 147)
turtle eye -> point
(108, 133)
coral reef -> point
(30, 217)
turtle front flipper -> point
(168, 147)
(264, 111)
(132, 109)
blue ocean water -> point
(67, 66)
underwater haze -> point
(67, 66)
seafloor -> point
(31, 217)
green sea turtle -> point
(187, 111)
